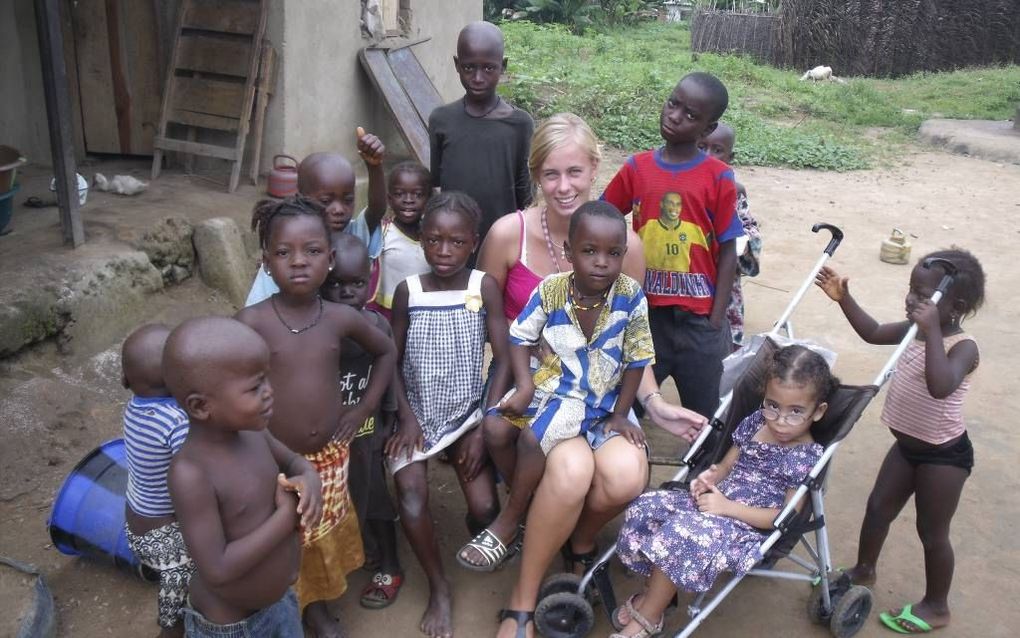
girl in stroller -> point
(683, 540)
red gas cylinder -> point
(283, 177)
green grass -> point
(618, 80)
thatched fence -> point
(869, 37)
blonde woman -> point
(589, 479)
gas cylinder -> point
(282, 180)
(895, 249)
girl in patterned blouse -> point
(683, 541)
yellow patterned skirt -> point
(332, 549)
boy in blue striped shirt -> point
(154, 429)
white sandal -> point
(648, 630)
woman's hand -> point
(676, 420)
(832, 284)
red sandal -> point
(381, 591)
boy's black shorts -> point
(690, 350)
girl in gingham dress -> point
(440, 321)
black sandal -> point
(522, 618)
(571, 559)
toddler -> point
(155, 427)
(239, 493)
(932, 456)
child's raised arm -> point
(355, 327)
(943, 371)
(838, 289)
(408, 436)
(197, 509)
(371, 149)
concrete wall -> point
(22, 105)
(322, 92)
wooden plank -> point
(213, 97)
(249, 97)
(168, 93)
(143, 73)
(217, 122)
(71, 64)
(227, 16)
(266, 81)
(410, 125)
(91, 38)
(58, 117)
(121, 95)
(415, 81)
(185, 146)
(210, 54)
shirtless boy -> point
(238, 493)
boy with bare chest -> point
(237, 509)
(303, 333)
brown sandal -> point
(381, 591)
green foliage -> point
(492, 10)
(619, 78)
(575, 13)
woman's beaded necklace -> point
(549, 242)
(296, 331)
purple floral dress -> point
(664, 528)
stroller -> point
(564, 607)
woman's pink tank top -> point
(520, 280)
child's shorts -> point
(959, 454)
(279, 620)
(163, 549)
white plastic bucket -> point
(83, 188)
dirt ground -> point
(54, 408)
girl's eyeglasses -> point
(772, 413)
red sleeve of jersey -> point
(620, 192)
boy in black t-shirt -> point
(479, 144)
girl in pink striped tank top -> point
(932, 456)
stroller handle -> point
(837, 236)
(948, 267)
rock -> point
(222, 259)
(167, 244)
(95, 302)
(986, 139)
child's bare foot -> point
(919, 618)
(860, 575)
(320, 623)
(437, 621)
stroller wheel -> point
(564, 615)
(563, 582)
(850, 612)
(816, 611)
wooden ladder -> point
(211, 80)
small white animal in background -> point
(120, 184)
(818, 73)
(821, 73)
